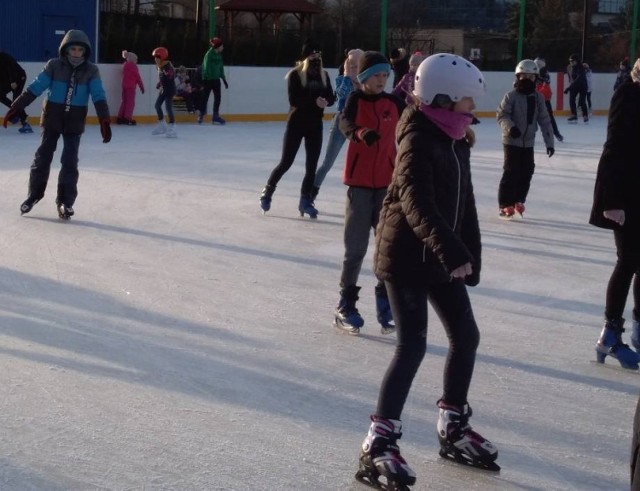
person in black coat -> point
(13, 79)
(616, 207)
(577, 89)
(428, 248)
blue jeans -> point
(334, 145)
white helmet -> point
(448, 75)
(528, 67)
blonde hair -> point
(635, 71)
(353, 55)
(302, 67)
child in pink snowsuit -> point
(130, 80)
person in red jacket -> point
(369, 122)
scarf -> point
(453, 124)
(75, 61)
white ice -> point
(172, 337)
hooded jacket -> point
(428, 225)
(526, 112)
(68, 89)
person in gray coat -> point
(520, 113)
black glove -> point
(550, 151)
(370, 137)
(105, 130)
(514, 132)
(12, 113)
(224, 81)
(566, 91)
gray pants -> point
(361, 215)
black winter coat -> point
(618, 177)
(429, 223)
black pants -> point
(165, 98)
(517, 174)
(297, 129)
(581, 95)
(626, 270)
(409, 306)
(41, 167)
(207, 87)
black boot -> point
(610, 343)
(314, 192)
(383, 310)
(265, 198)
(306, 206)
(346, 316)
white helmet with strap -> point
(529, 67)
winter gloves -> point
(11, 115)
(368, 136)
(105, 130)
(550, 151)
(514, 132)
(224, 81)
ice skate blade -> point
(387, 329)
(635, 370)
(354, 331)
(490, 466)
(373, 482)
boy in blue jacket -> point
(69, 81)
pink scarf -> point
(454, 124)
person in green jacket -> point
(212, 73)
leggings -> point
(409, 306)
(625, 271)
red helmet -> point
(215, 42)
(161, 53)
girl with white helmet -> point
(520, 113)
(428, 250)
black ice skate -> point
(383, 310)
(265, 198)
(459, 443)
(27, 205)
(381, 465)
(65, 212)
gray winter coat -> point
(526, 112)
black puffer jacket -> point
(429, 223)
(616, 186)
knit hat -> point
(215, 42)
(416, 58)
(310, 47)
(129, 56)
(372, 62)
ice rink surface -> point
(171, 337)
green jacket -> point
(212, 66)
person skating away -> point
(577, 88)
(428, 248)
(616, 207)
(166, 91)
(309, 89)
(520, 113)
(543, 85)
(212, 74)
(12, 80)
(345, 84)
(405, 87)
(69, 80)
(623, 75)
(589, 76)
(131, 80)
(369, 122)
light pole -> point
(383, 27)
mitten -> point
(12, 114)
(224, 81)
(105, 130)
(514, 132)
(550, 151)
(368, 136)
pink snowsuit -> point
(130, 80)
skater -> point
(589, 76)
(405, 87)
(624, 74)
(131, 80)
(68, 80)
(166, 90)
(369, 122)
(427, 248)
(577, 88)
(345, 84)
(310, 91)
(543, 85)
(212, 73)
(616, 207)
(520, 113)
(13, 79)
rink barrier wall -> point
(259, 94)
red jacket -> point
(370, 166)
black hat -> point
(372, 62)
(310, 47)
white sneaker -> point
(171, 131)
(160, 129)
